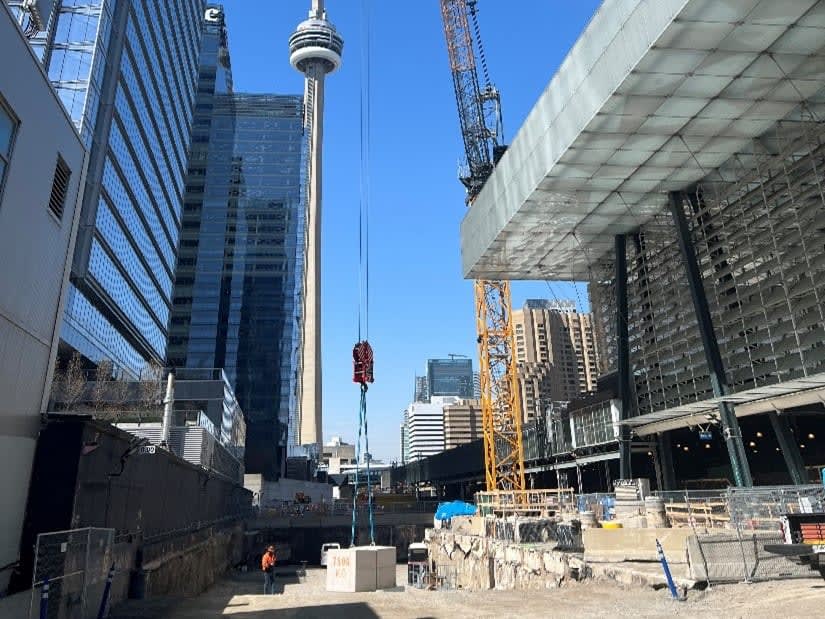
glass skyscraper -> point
(240, 269)
(126, 72)
(450, 377)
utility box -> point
(362, 568)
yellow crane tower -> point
(479, 113)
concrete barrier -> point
(616, 545)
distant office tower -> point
(405, 440)
(239, 278)
(425, 426)
(556, 353)
(450, 377)
(126, 73)
(422, 390)
(462, 423)
(477, 385)
(41, 172)
(315, 50)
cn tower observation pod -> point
(315, 41)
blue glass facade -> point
(126, 71)
(236, 302)
(450, 377)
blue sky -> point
(420, 306)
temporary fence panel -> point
(740, 556)
(75, 564)
(759, 508)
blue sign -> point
(705, 436)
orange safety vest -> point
(267, 561)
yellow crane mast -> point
(479, 113)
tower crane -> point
(479, 113)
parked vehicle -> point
(326, 548)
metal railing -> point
(289, 509)
(525, 502)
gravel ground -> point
(237, 596)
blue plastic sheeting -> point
(445, 511)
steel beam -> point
(718, 381)
(790, 449)
(623, 352)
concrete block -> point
(362, 568)
(616, 545)
(385, 567)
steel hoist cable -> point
(362, 355)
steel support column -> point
(718, 381)
(664, 456)
(790, 449)
(623, 353)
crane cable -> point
(362, 353)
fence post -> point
(742, 548)
(84, 594)
(44, 599)
(104, 601)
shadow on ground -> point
(232, 585)
(357, 610)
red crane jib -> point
(362, 363)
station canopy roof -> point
(654, 96)
(806, 391)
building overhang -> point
(791, 394)
(653, 97)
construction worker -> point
(268, 568)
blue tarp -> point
(446, 511)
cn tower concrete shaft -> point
(315, 50)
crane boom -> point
(479, 114)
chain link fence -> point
(75, 565)
(759, 508)
(740, 556)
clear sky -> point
(420, 306)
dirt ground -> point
(238, 596)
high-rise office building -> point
(441, 423)
(405, 440)
(240, 273)
(126, 73)
(450, 377)
(425, 426)
(556, 353)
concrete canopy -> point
(653, 96)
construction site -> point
(675, 163)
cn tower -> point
(314, 50)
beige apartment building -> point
(556, 351)
(462, 423)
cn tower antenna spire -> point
(315, 50)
